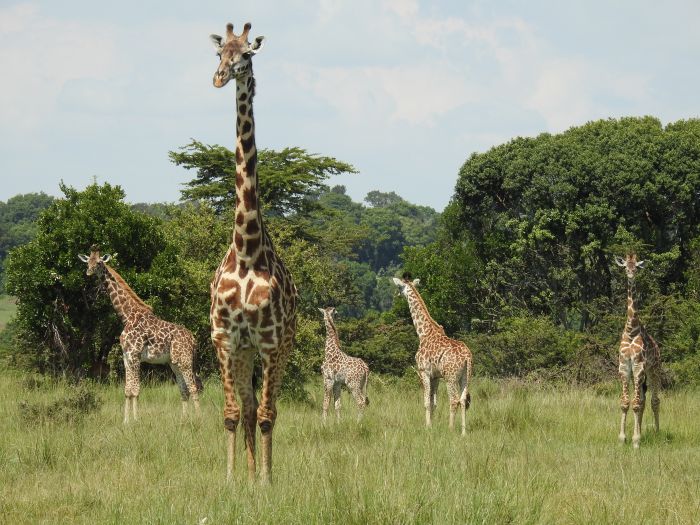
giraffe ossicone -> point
(639, 359)
(253, 297)
(341, 370)
(438, 357)
(145, 337)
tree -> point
(17, 222)
(289, 180)
(544, 213)
(65, 323)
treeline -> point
(340, 252)
(519, 264)
(523, 266)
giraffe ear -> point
(217, 41)
(620, 261)
(416, 282)
(83, 258)
(397, 282)
(106, 257)
(257, 44)
(640, 264)
(322, 310)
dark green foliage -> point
(17, 223)
(289, 180)
(64, 322)
(524, 257)
(543, 213)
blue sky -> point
(405, 90)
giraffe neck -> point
(632, 326)
(425, 325)
(124, 299)
(248, 227)
(332, 339)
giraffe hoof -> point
(622, 438)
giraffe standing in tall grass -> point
(339, 369)
(438, 356)
(146, 338)
(253, 298)
(639, 359)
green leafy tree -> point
(289, 180)
(65, 323)
(18, 223)
(544, 213)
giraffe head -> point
(328, 312)
(405, 285)
(95, 262)
(630, 264)
(235, 53)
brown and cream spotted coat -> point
(639, 359)
(253, 298)
(438, 357)
(339, 369)
(146, 337)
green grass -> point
(7, 309)
(530, 456)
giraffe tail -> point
(365, 389)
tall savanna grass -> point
(531, 455)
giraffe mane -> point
(126, 287)
(425, 308)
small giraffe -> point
(438, 356)
(340, 369)
(145, 337)
(253, 297)
(639, 359)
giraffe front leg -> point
(132, 385)
(624, 403)
(327, 393)
(427, 397)
(231, 410)
(638, 403)
(337, 388)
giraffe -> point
(253, 297)
(438, 356)
(639, 359)
(340, 369)
(145, 337)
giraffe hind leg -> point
(655, 401)
(243, 372)
(273, 372)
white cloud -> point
(40, 56)
(414, 95)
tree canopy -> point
(289, 180)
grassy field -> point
(532, 455)
(7, 309)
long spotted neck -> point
(424, 324)
(632, 326)
(332, 339)
(248, 228)
(124, 299)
